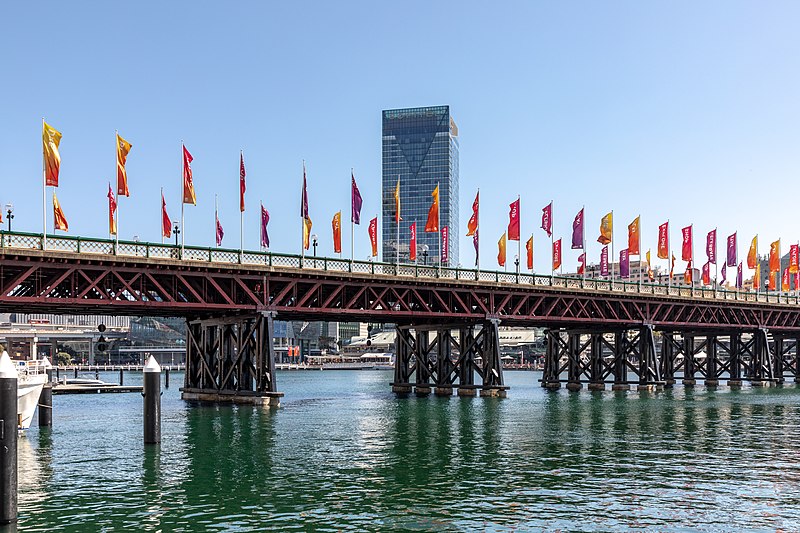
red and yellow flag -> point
(633, 237)
(606, 229)
(112, 208)
(432, 225)
(752, 255)
(501, 250)
(557, 254)
(663, 241)
(773, 283)
(166, 223)
(373, 236)
(337, 232)
(188, 184)
(397, 201)
(123, 148)
(785, 280)
(59, 220)
(757, 279)
(775, 256)
(687, 276)
(51, 138)
(529, 249)
(306, 232)
(472, 225)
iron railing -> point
(108, 247)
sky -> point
(687, 111)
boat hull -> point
(28, 392)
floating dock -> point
(95, 389)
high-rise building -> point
(420, 147)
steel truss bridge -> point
(598, 331)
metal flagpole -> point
(639, 231)
(352, 222)
(216, 217)
(397, 223)
(116, 234)
(519, 236)
(552, 238)
(161, 213)
(302, 219)
(439, 227)
(183, 204)
(241, 212)
(44, 197)
(583, 236)
(716, 263)
(691, 263)
(612, 248)
(669, 259)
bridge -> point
(447, 319)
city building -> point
(420, 147)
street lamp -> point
(314, 244)
(176, 230)
(516, 262)
(424, 254)
(10, 214)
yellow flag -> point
(501, 250)
(397, 202)
(306, 232)
(647, 257)
(606, 229)
(51, 138)
(123, 147)
(59, 220)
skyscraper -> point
(420, 146)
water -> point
(343, 453)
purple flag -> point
(732, 259)
(739, 279)
(264, 222)
(577, 231)
(445, 245)
(724, 274)
(604, 261)
(475, 243)
(355, 214)
(624, 264)
(304, 201)
(220, 233)
(711, 246)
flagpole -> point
(583, 235)
(397, 223)
(302, 220)
(44, 196)
(669, 258)
(183, 203)
(552, 238)
(716, 263)
(639, 231)
(241, 211)
(612, 249)
(352, 222)
(161, 212)
(216, 217)
(691, 270)
(478, 230)
(439, 227)
(116, 234)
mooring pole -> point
(46, 406)
(120, 376)
(166, 378)
(8, 440)
(152, 402)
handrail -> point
(98, 246)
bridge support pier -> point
(231, 360)
(434, 367)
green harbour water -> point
(344, 454)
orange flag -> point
(772, 282)
(633, 237)
(501, 250)
(557, 254)
(337, 232)
(757, 279)
(785, 280)
(397, 201)
(188, 184)
(752, 255)
(663, 241)
(775, 256)
(432, 225)
(307, 232)
(606, 229)
(529, 249)
(472, 225)
(51, 138)
(687, 276)
(123, 148)
(373, 236)
(112, 207)
(59, 220)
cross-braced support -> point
(440, 361)
(231, 359)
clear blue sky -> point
(681, 110)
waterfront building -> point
(420, 147)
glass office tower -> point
(420, 146)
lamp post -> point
(10, 214)
(314, 244)
(424, 254)
(176, 230)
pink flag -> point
(264, 222)
(724, 274)
(547, 219)
(577, 231)
(220, 233)
(412, 243)
(445, 244)
(624, 264)
(475, 244)
(604, 261)
(732, 258)
(739, 277)
(711, 246)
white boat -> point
(32, 375)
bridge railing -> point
(92, 246)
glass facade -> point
(420, 146)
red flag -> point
(166, 223)
(711, 246)
(373, 235)
(634, 237)
(242, 185)
(796, 280)
(707, 273)
(472, 225)
(793, 258)
(445, 245)
(188, 185)
(582, 263)
(556, 254)
(513, 221)
(686, 248)
(577, 231)
(412, 245)
(547, 219)
(663, 241)
(112, 208)
(785, 280)
(529, 249)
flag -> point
(582, 264)
(752, 255)
(242, 184)
(547, 219)
(264, 222)
(112, 208)
(373, 236)
(445, 245)
(123, 148)
(577, 231)
(663, 241)
(51, 138)
(188, 185)
(304, 197)
(624, 264)
(397, 201)
(472, 225)
(711, 246)
(647, 258)
(686, 247)
(412, 244)
(307, 224)
(513, 221)
(604, 261)
(796, 281)
(166, 223)
(724, 273)
(529, 250)
(793, 258)
(501, 250)
(687, 276)
(772, 281)
(757, 279)
(672, 268)
(733, 253)
(650, 274)
(59, 220)
(220, 233)
(336, 225)
(775, 256)
(706, 279)
(633, 238)
(475, 244)
(556, 254)
(606, 229)
(739, 277)
(785, 279)
(432, 225)
(355, 201)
